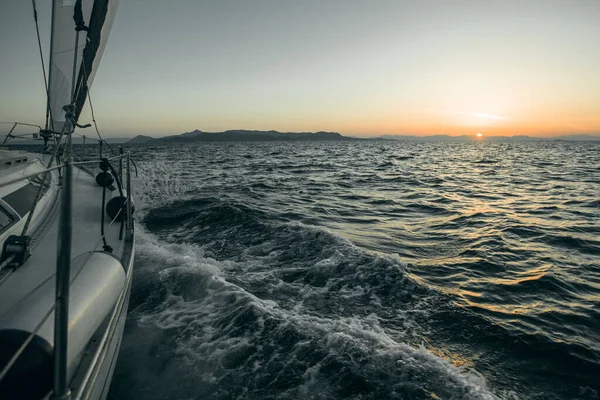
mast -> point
(61, 389)
(48, 109)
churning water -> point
(365, 270)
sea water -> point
(365, 270)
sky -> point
(358, 67)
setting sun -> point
(479, 135)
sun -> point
(479, 135)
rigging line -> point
(19, 123)
(21, 135)
(37, 29)
(14, 125)
(30, 175)
(135, 166)
(120, 194)
(9, 134)
(89, 96)
(102, 219)
(38, 195)
(84, 162)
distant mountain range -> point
(247, 135)
(240, 135)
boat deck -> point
(87, 211)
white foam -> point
(164, 257)
(210, 332)
(229, 335)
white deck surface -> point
(87, 198)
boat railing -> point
(63, 274)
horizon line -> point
(375, 135)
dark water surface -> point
(365, 270)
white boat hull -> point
(97, 313)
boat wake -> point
(228, 302)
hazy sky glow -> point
(356, 67)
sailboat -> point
(66, 232)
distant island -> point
(239, 135)
(253, 135)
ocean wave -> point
(203, 320)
